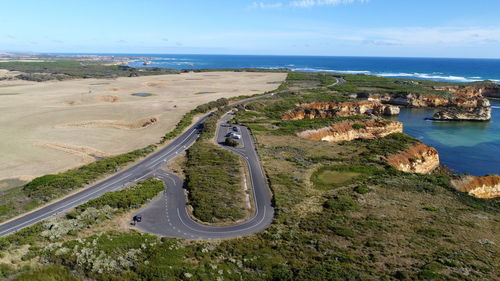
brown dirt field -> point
(102, 115)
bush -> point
(231, 142)
(48, 273)
(341, 204)
(213, 180)
(362, 189)
(48, 187)
(129, 198)
(187, 119)
(358, 126)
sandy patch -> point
(156, 84)
(87, 154)
(4, 73)
(44, 126)
(139, 124)
(107, 98)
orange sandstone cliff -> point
(419, 158)
(337, 109)
(347, 131)
(463, 103)
(480, 187)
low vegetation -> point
(71, 69)
(49, 187)
(379, 225)
(213, 179)
(329, 177)
(187, 119)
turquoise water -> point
(465, 147)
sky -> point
(401, 28)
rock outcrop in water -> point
(334, 109)
(347, 131)
(480, 112)
(419, 158)
(480, 187)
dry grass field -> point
(51, 126)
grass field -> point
(51, 126)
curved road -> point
(167, 215)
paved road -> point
(168, 216)
(169, 209)
(144, 169)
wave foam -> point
(429, 76)
(308, 69)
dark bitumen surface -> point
(167, 214)
(142, 170)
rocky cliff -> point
(482, 112)
(467, 103)
(463, 103)
(490, 91)
(481, 187)
(347, 131)
(419, 158)
(334, 109)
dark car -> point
(138, 218)
(236, 129)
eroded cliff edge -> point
(482, 187)
(462, 103)
(347, 131)
(418, 158)
(339, 109)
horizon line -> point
(262, 55)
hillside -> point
(342, 212)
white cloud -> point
(263, 5)
(381, 37)
(434, 35)
(304, 3)
(313, 3)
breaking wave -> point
(416, 75)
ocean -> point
(439, 69)
(465, 147)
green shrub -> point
(391, 144)
(358, 126)
(187, 119)
(213, 180)
(362, 189)
(48, 187)
(129, 198)
(328, 177)
(341, 204)
(48, 273)
(229, 141)
(430, 232)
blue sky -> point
(423, 28)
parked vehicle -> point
(138, 218)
